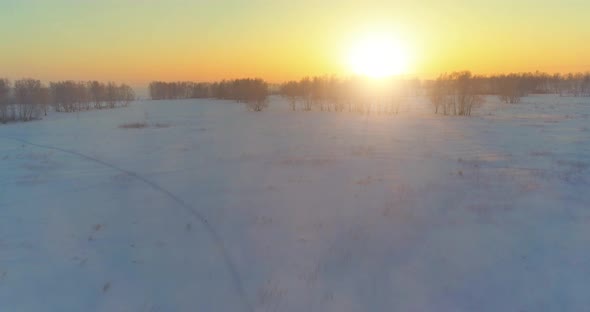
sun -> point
(378, 56)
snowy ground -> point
(315, 211)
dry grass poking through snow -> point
(141, 125)
(134, 125)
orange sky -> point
(139, 41)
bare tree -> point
(111, 94)
(44, 99)
(97, 93)
(254, 92)
(28, 97)
(4, 94)
(510, 88)
(455, 94)
(438, 94)
(291, 90)
(126, 94)
(466, 96)
(306, 91)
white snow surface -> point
(317, 211)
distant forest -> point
(252, 91)
(456, 93)
(29, 99)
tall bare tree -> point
(28, 95)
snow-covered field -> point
(304, 211)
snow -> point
(315, 211)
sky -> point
(138, 41)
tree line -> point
(522, 84)
(29, 99)
(251, 91)
(354, 94)
(456, 93)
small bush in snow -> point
(134, 125)
(257, 106)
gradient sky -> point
(140, 40)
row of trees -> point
(29, 98)
(509, 88)
(574, 85)
(72, 96)
(457, 93)
(355, 94)
(451, 94)
(4, 99)
(253, 92)
(160, 90)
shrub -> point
(134, 125)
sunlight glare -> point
(378, 57)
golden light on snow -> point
(378, 56)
